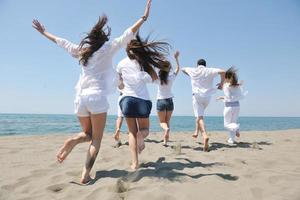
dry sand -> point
(264, 165)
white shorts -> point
(120, 114)
(85, 105)
(200, 104)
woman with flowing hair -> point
(135, 71)
(97, 80)
(164, 103)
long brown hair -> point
(231, 75)
(94, 40)
(164, 72)
(149, 54)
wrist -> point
(144, 18)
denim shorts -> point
(133, 107)
(165, 105)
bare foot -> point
(237, 134)
(117, 136)
(134, 166)
(195, 135)
(140, 142)
(85, 180)
(65, 150)
(205, 146)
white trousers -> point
(231, 115)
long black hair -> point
(94, 40)
(231, 75)
(149, 54)
(164, 72)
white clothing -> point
(232, 94)
(90, 104)
(98, 77)
(199, 104)
(202, 79)
(165, 91)
(231, 115)
(135, 81)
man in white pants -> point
(202, 80)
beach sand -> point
(264, 165)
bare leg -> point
(132, 128)
(162, 115)
(197, 127)
(203, 132)
(118, 128)
(168, 119)
(98, 124)
(70, 143)
(143, 132)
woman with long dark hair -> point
(135, 72)
(95, 54)
(164, 103)
(233, 93)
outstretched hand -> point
(38, 26)
(147, 10)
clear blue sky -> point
(261, 38)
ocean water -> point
(36, 124)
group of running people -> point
(146, 62)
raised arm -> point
(222, 76)
(144, 18)
(40, 28)
(176, 55)
(71, 48)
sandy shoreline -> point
(264, 165)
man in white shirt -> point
(202, 79)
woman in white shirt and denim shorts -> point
(136, 71)
(97, 80)
(164, 103)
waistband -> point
(232, 104)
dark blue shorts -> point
(165, 105)
(133, 107)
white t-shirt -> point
(202, 80)
(233, 93)
(134, 79)
(99, 76)
(165, 91)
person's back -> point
(134, 79)
(202, 80)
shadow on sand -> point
(217, 145)
(161, 169)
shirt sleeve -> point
(187, 70)
(71, 48)
(122, 41)
(214, 71)
(119, 66)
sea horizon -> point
(43, 124)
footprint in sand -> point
(56, 188)
(121, 186)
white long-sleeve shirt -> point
(99, 76)
(232, 94)
(135, 81)
(202, 79)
